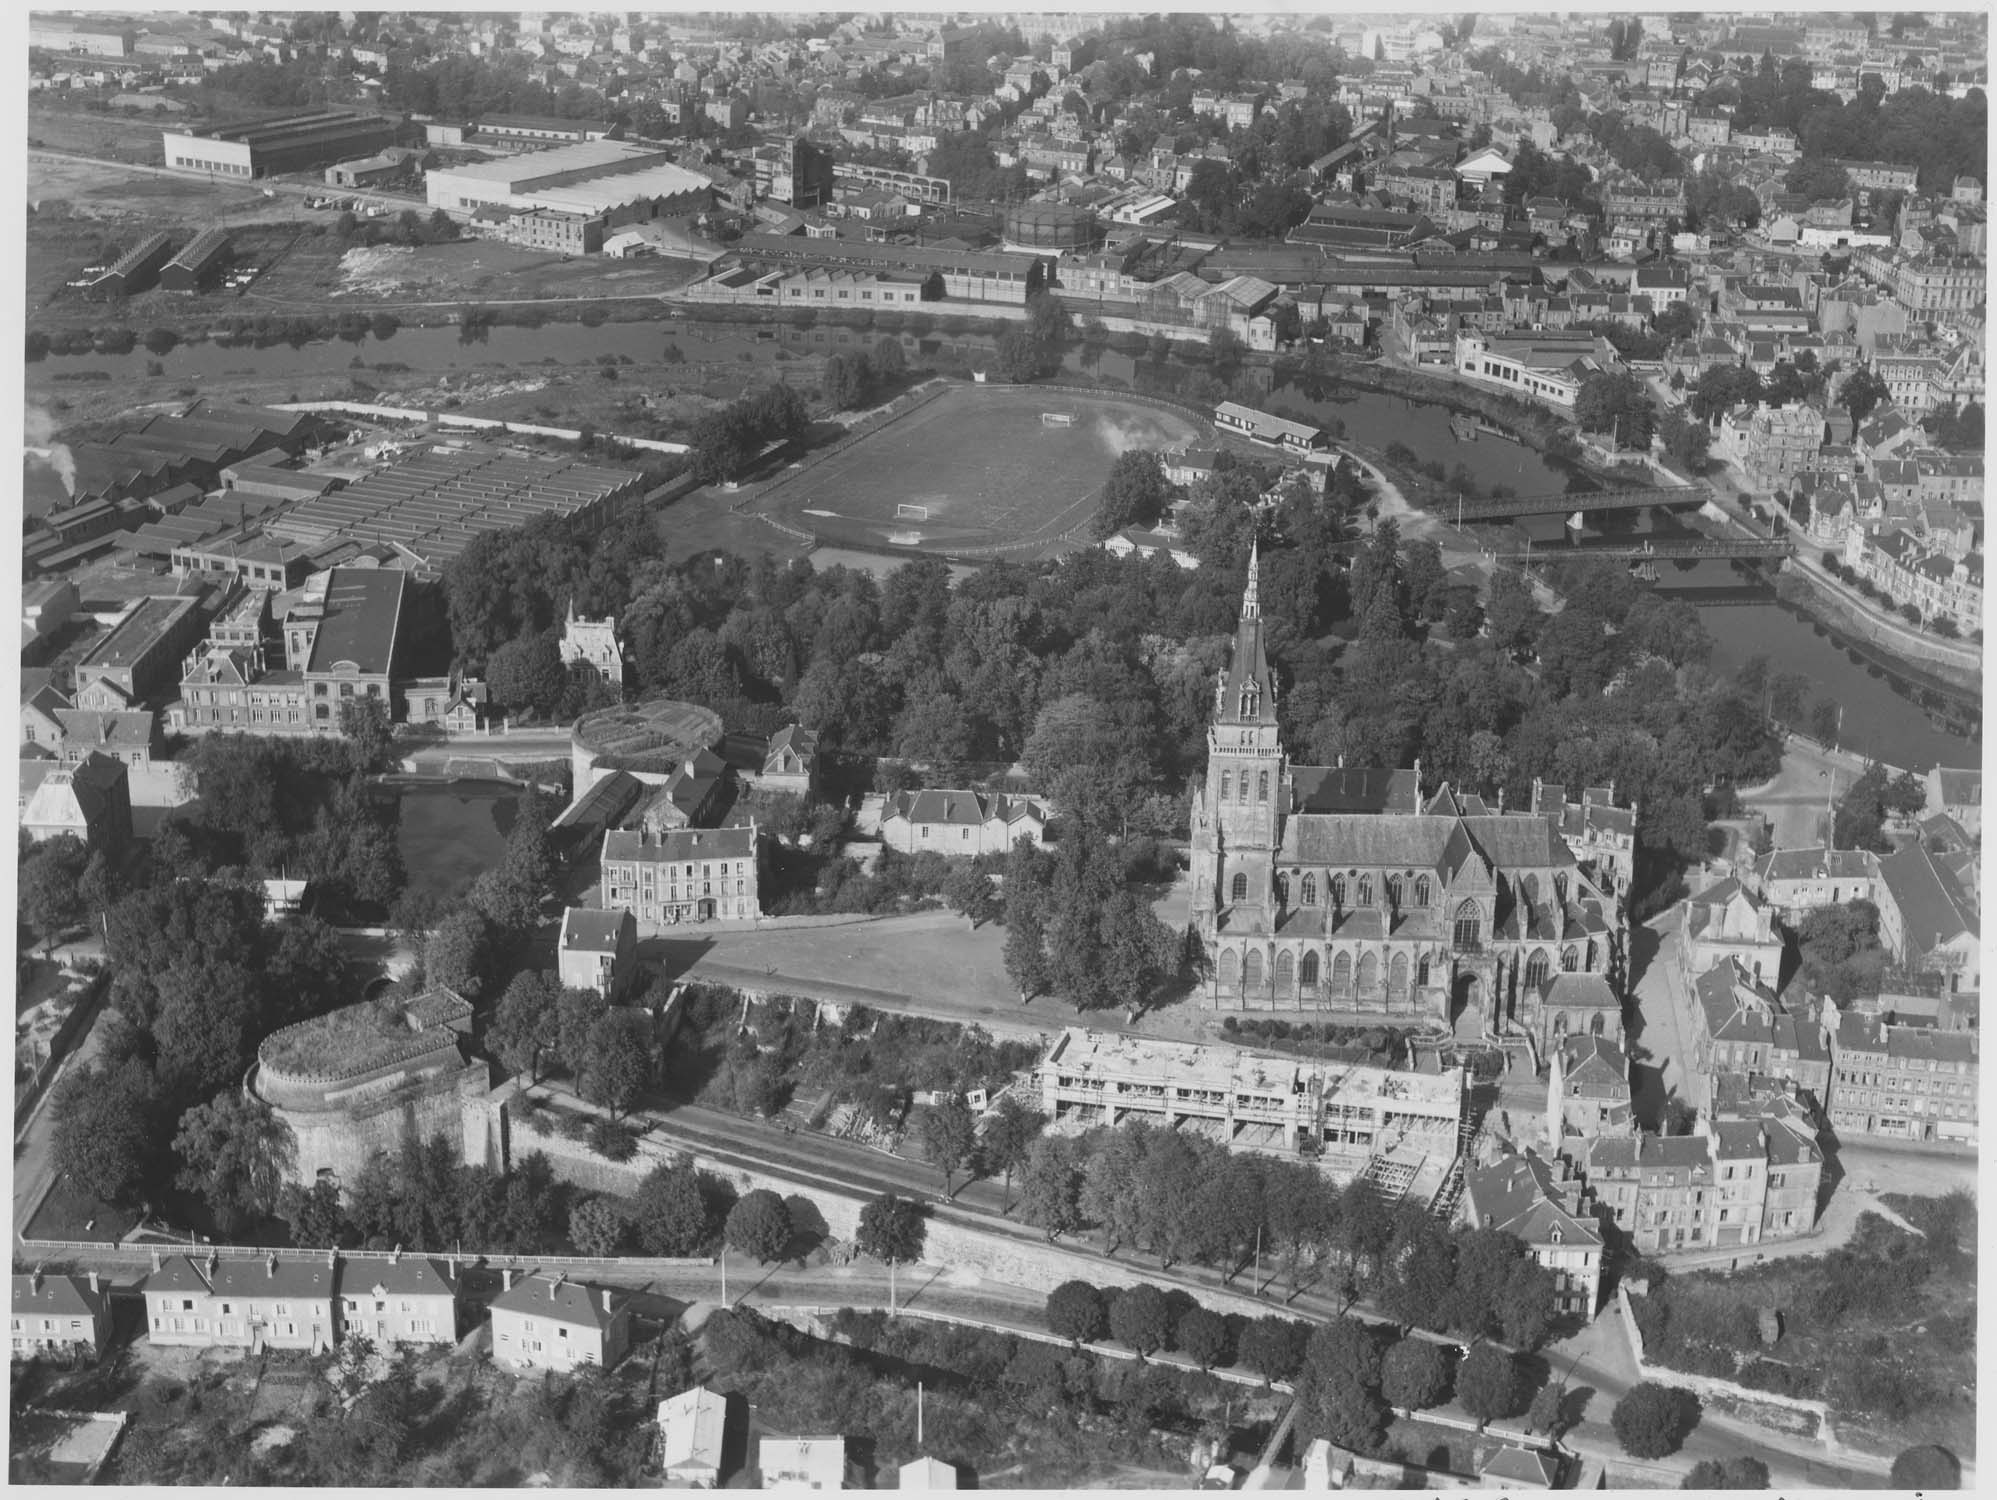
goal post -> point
(911, 512)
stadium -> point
(976, 472)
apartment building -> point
(1795, 882)
(67, 1318)
(1782, 440)
(1740, 1025)
(682, 876)
(1912, 1083)
(1540, 1203)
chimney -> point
(395, 1256)
(332, 1259)
(93, 1281)
(270, 1266)
(35, 1279)
(211, 1265)
(155, 1262)
(506, 1279)
(606, 1300)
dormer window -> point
(1557, 1237)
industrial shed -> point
(198, 263)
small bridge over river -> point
(1592, 502)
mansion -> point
(1317, 888)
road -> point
(1661, 999)
(1796, 800)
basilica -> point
(1355, 894)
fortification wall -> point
(450, 1104)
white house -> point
(802, 1463)
(598, 950)
(547, 1322)
(692, 1426)
(960, 822)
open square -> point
(976, 470)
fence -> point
(624, 1265)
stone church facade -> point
(1319, 889)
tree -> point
(1050, 1186)
(1489, 1385)
(1134, 494)
(1225, 348)
(1861, 392)
(1686, 439)
(1511, 613)
(597, 1226)
(949, 1136)
(51, 901)
(106, 1130)
(1075, 1310)
(1020, 356)
(526, 1027)
(618, 1059)
(968, 892)
(1653, 1420)
(236, 1153)
(577, 1010)
(1618, 403)
(669, 1211)
(1545, 1413)
(889, 361)
(365, 726)
(1525, 1303)
(459, 953)
(759, 1226)
(1273, 1347)
(891, 1229)
(1341, 1385)
(1140, 1317)
(1009, 1137)
(1926, 1467)
(1026, 962)
(528, 674)
(1728, 1474)
(1201, 1336)
(313, 1215)
(1414, 1374)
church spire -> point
(1251, 601)
(1247, 692)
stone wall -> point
(1707, 1386)
(345, 1141)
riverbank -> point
(1833, 604)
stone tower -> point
(1238, 810)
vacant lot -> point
(324, 271)
(94, 133)
(975, 470)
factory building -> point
(198, 263)
(289, 143)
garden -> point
(1883, 1329)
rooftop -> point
(363, 611)
(358, 1038)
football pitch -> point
(976, 470)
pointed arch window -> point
(1228, 968)
(1307, 971)
(1394, 892)
(1251, 701)
(1338, 893)
(1226, 784)
(1536, 968)
(1251, 968)
(1570, 959)
(1590, 965)
(1422, 970)
(1421, 890)
(1341, 973)
(1244, 786)
(1369, 974)
(1468, 927)
(1282, 890)
(1397, 976)
(1262, 787)
(1365, 890)
(1286, 972)
(1237, 889)
(1310, 890)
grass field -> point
(982, 465)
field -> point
(984, 469)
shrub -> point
(609, 1139)
(1075, 1310)
(1927, 1468)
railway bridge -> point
(1587, 502)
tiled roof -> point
(43, 1295)
(541, 1295)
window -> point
(1308, 971)
(1365, 890)
(1262, 787)
(1310, 890)
(1421, 890)
(1468, 926)
(1244, 788)
(1338, 892)
(1237, 889)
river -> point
(1879, 720)
(449, 833)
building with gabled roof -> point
(270, 1301)
(954, 822)
(67, 1318)
(1797, 881)
(693, 1429)
(1726, 920)
(1959, 793)
(598, 950)
(1740, 1026)
(544, 1321)
(1901, 1082)
(790, 762)
(1593, 1088)
(1926, 920)
(90, 799)
(1537, 1201)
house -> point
(1515, 1468)
(802, 1463)
(598, 950)
(790, 763)
(1727, 921)
(692, 1428)
(1529, 1198)
(405, 1299)
(271, 1302)
(1797, 881)
(91, 799)
(1148, 544)
(683, 875)
(1959, 794)
(65, 1317)
(592, 645)
(960, 822)
(1740, 1026)
(544, 1321)
(1594, 1087)
(927, 1474)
